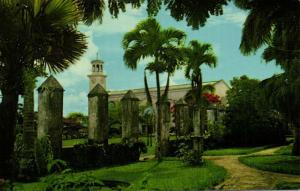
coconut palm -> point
(37, 34)
(197, 55)
(148, 39)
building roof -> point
(173, 87)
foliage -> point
(149, 40)
(71, 182)
(43, 154)
(214, 135)
(284, 150)
(274, 163)
(248, 119)
(84, 156)
(79, 118)
(275, 26)
(188, 156)
(56, 166)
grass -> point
(284, 150)
(234, 151)
(275, 163)
(287, 186)
(170, 174)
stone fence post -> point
(50, 113)
(98, 115)
(182, 119)
(130, 117)
(165, 129)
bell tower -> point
(97, 76)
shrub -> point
(249, 120)
(214, 135)
(188, 155)
(56, 166)
(72, 183)
(84, 156)
(43, 154)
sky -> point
(223, 32)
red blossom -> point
(211, 98)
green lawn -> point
(287, 186)
(274, 163)
(170, 174)
(285, 150)
(234, 151)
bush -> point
(188, 155)
(249, 120)
(43, 154)
(84, 156)
(56, 166)
(214, 135)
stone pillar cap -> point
(51, 84)
(130, 96)
(97, 90)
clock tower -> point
(97, 76)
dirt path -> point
(242, 177)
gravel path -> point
(242, 177)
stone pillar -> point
(130, 117)
(198, 134)
(211, 115)
(165, 129)
(98, 115)
(50, 113)
(182, 119)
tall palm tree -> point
(197, 55)
(276, 25)
(37, 34)
(148, 39)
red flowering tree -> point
(211, 98)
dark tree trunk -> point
(8, 117)
(158, 120)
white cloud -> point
(229, 16)
(124, 22)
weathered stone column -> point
(165, 129)
(182, 120)
(130, 117)
(98, 115)
(211, 115)
(198, 135)
(50, 113)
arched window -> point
(101, 68)
(97, 68)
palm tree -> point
(37, 34)
(197, 55)
(148, 39)
(276, 25)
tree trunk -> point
(159, 120)
(296, 146)
(30, 134)
(8, 117)
(28, 124)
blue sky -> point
(223, 32)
